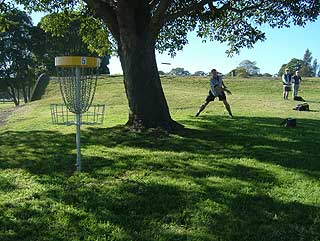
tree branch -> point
(104, 10)
(157, 20)
(198, 6)
(241, 11)
(153, 4)
(189, 9)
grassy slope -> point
(245, 178)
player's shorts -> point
(286, 88)
(211, 97)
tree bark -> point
(147, 104)
(148, 107)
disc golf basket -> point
(77, 77)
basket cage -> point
(68, 85)
(61, 115)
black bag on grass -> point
(302, 107)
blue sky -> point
(280, 47)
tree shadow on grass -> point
(213, 138)
(39, 152)
(174, 187)
(78, 208)
(238, 215)
(144, 210)
(262, 139)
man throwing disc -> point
(217, 89)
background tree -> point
(315, 67)
(16, 59)
(105, 60)
(176, 71)
(293, 65)
(139, 26)
(199, 73)
(179, 72)
(250, 67)
(307, 67)
(267, 75)
(297, 64)
(307, 57)
(242, 72)
(161, 72)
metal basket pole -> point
(78, 118)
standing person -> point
(296, 83)
(286, 81)
(217, 89)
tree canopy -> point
(68, 33)
(78, 33)
(235, 22)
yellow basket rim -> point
(77, 61)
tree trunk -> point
(12, 94)
(24, 92)
(147, 104)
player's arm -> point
(224, 87)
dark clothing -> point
(296, 83)
(211, 97)
(296, 79)
(286, 79)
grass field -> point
(240, 179)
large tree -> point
(139, 26)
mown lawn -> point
(246, 178)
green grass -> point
(222, 179)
